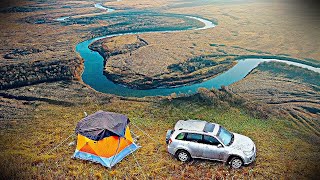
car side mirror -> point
(219, 146)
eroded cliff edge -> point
(27, 73)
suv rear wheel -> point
(236, 162)
(183, 155)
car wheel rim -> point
(183, 156)
(236, 163)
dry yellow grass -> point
(283, 152)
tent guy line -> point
(92, 139)
(73, 134)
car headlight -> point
(249, 153)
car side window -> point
(210, 140)
(180, 136)
(194, 137)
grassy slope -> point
(291, 72)
(292, 89)
(282, 151)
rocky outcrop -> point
(21, 74)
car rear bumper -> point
(171, 150)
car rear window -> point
(181, 136)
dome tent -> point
(105, 138)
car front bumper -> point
(250, 159)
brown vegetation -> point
(26, 143)
(36, 118)
(290, 89)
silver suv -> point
(201, 139)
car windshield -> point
(225, 136)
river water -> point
(94, 66)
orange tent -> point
(105, 138)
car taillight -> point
(170, 141)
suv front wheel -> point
(236, 162)
(183, 155)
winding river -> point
(97, 5)
(94, 66)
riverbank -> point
(186, 76)
(192, 71)
(119, 67)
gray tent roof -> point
(102, 124)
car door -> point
(194, 144)
(211, 149)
